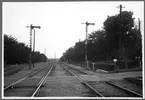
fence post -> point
(93, 65)
(115, 66)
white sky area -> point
(60, 22)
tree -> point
(16, 52)
(118, 37)
(117, 28)
(97, 46)
(79, 52)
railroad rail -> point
(78, 69)
(22, 79)
(83, 82)
(124, 89)
(41, 82)
(109, 83)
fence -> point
(109, 65)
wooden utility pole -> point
(121, 34)
(121, 47)
(139, 58)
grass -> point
(12, 70)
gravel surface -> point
(77, 71)
(61, 84)
(12, 78)
(60, 71)
(79, 68)
(26, 87)
(108, 90)
(22, 89)
(106, 76)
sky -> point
(61, 22)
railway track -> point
(84, 82)
(36, 89)
(62, 83)
(80, 71)
(125, 89)
(22, 79)
(41, 82)
(13, 86)
(126, 92)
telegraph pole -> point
(121, 47)
(120, 8)
(87, 24)
(138, 56)
(120, 37)
(30, 53)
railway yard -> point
(60, 79)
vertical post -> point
(120, 38)
(34, 42)
(30, 46)
(33, 49)
(115, 65)
(139, 58)
(120, 8)
(86, 59)
(30, 53)
(139, 24)
(93, 66)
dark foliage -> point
(117, 38)
(16, 52)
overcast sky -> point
(60, 21)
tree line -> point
(17, 52)
(118, 39)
